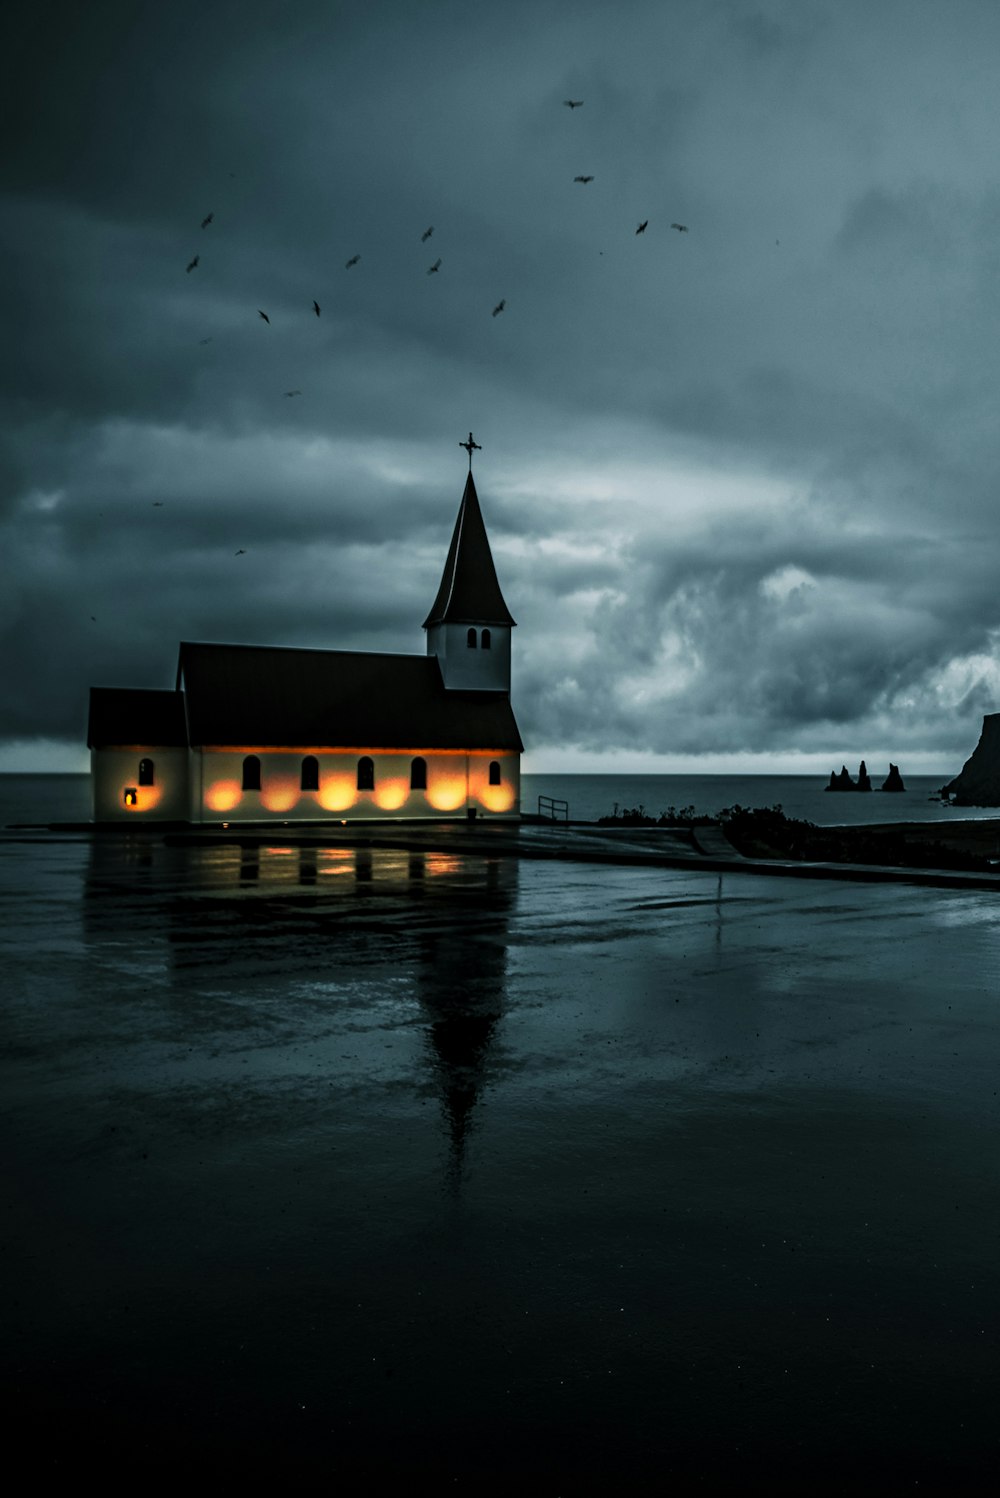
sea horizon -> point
(588, 797)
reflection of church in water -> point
(255, 733)
(432, 925)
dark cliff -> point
(979, 782)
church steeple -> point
(469, 625)
(469, 591)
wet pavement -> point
(707, 848)
(371, 1163)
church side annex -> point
(266, 733)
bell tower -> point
(469, 625)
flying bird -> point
(642, 227)
(206, 221)
(157, 504)
(681, 228)
(316, 308)
(583, 179)
(572, 103)
(499, 307)
(264, 316)
(194, 262)
(240, 553)
(353, 261)
(432, 268)
(204, 340)
(290, 393)
(426, 234)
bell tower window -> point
(495, 772)
(366, 773)
(484, 640)
(418, 774)
(310, 773)
(146, 772)
(470, 639)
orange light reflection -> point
(391, 794)
(446, 792)
(337, 792)
(147, 797)
(223, 795)
(497, 798)
(279, 793)
(336, 861)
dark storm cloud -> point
(741, 481)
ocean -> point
(66, 798)
(802, 796)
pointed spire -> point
(469, 591)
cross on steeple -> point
(469, 446)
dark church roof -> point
(469, 591)
(134, 715)
(272, 696)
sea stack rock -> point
(979, 782)
(841, 782)
(864, 780)
(893, 781)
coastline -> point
(45, 797)
(959, 854)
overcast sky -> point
(741, 482)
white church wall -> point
(499, 800)
(455, 782)
(120, 796)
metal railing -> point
(553, 810)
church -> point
(258, 733)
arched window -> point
(418, 774)
(470, 639)
(251, 773)
(366, 773)
(484, 639)
(146, 772)
(494, 772)
(310, 774)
